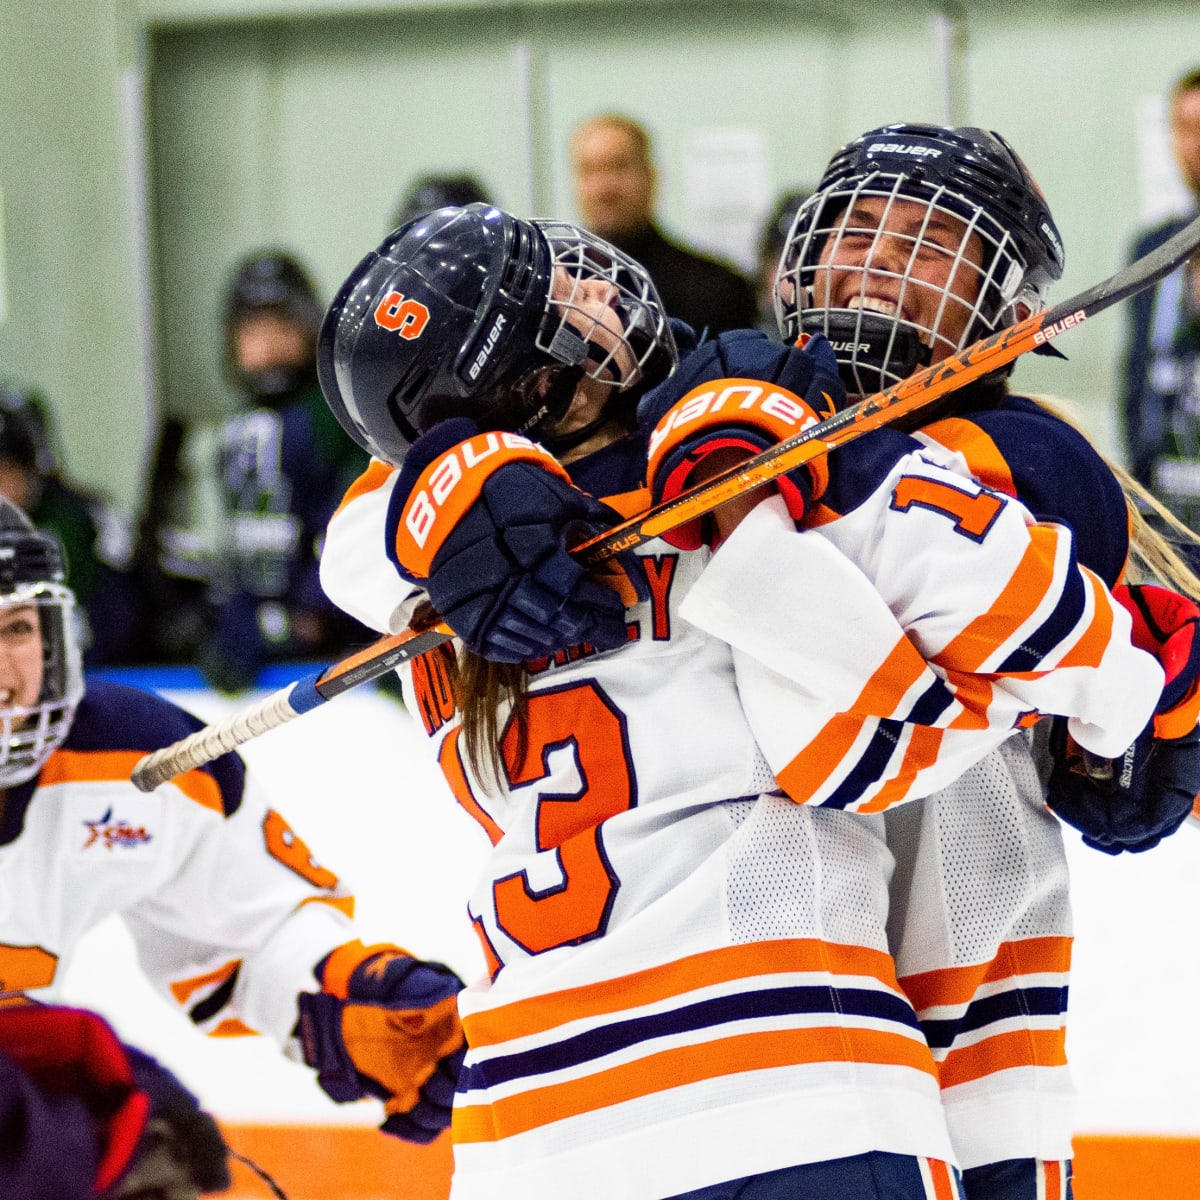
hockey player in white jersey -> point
(689, 993)
(234, 921)
(919, 241)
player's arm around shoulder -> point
(356, 571)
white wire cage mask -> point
(898, 274)
(30, 734)
(588, 275)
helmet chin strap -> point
(872, 350)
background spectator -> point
(615, 183)
(284, 463)
(1162, 359)
(428, 192)
(98, 540)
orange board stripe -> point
(354, 1162)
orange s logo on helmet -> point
(408, 318)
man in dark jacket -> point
(614, 187)
(1161, 381)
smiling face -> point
(21, 658)
(904, 260)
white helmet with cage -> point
(41, 677)
(919, 240)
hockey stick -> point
(978, 360)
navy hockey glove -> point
(1133, 802)
(1129, 803)
(483, 522)
(386, 1025)
(715, 402)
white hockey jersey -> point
(689, 973)
(883, 651)
(229, 911)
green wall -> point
(298, 123)
(69, 95)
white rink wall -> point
(352, 780)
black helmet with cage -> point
(35, 603)
(474, 312)
(897, 210)
(272, 283)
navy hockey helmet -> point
(272, 283)
(25, 433)
(32, 727)
(919, 240)
(474, 312)
(429, 192)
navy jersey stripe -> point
(1050, 634)
(870, 767)
(988, 1010)
(112, 716)
(703, 1015)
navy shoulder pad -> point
(1060, 476)
(857, 471)
(114, 717)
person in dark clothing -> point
(615, 185)
(97, 538)
(428, 192)
(1161, 366)
(283, 464)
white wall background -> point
(353, 782)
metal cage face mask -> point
(897, 274)
(31, 732)
(603, 314)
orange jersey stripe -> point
(950, 986)
(922, 750)
(1003, 1051)
(985, 460)
(974, 695)
(182, 989)
(1024, 591)
(24, 967)
(680, 1066)
(941, 1180)
(803, 777)
(1089, 649)
(106, 766)
(523, 1018)
(371, 480)
(629, 504)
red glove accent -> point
(744, 414)
(1165, 625)
(68, 1051)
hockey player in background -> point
(919, 241)
(235, 922)
(691, 991)
(283, 465)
